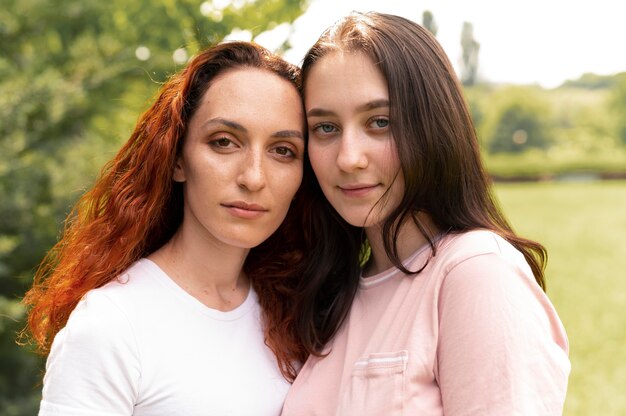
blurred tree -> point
(469, 56)
(583, 122)
(519, 119)
(478, 100)
(74, 77)
(592, 81)
(428, 21)
(618, 105)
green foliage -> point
(19, 394)
(74, 77)
(580, 129)
(479, 97)
(582, 226)
(581, 120)
(519, 119)
(540, 165)
(618, 106)
(591, 81)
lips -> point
(244, 205)
(357, 189)
(242, 209)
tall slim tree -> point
(429, 23)
(469, 58)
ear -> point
(179, 170)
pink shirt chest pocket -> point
(376, 386)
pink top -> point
(472, 334)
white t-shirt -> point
(142, 346)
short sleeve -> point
(93, 367)
(502, 349)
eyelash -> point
(376, 119)
(291, 153)
(318, 128)
(216, 142)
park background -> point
(76, 74)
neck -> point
(209, 270)
(409, 240)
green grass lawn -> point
(583, 226)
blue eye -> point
(326, 128)
(380, 123)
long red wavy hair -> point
(135, 207)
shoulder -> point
(99, 327)
(133, 288)
(495, 323)
(97, 343)
(457, 249)
(476, 242)
(489, 279)
(107, 310)
(136, 278)
(481, 270)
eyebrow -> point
(371, 105)
(236, 126)
(285, 134)
(225, 122)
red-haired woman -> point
(168, 291)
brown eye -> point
(223, 142)
(284, 151)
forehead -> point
(238, 83)
(252, 95)
(344, 76)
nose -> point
(252, 171)
(352, 154)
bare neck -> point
(409, 240)
(207, 269)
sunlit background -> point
(534, 41)
(545, 81)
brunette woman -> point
(420, 299)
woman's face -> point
(350, 145)
(241, 161)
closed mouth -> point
(357, 187)
(245, 206)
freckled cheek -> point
(285, 183)
(212, 176)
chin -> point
(357, 219)
(356, 222)
(245, 242)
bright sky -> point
(530, 41)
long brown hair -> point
(135, 207)
(439, 157)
